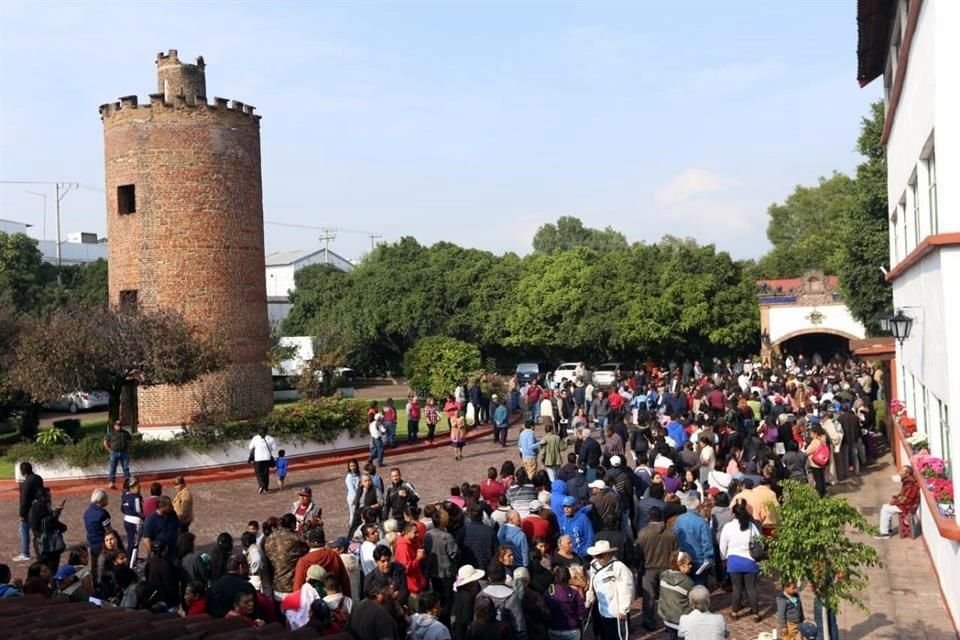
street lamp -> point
(900, 325)
(884, 322)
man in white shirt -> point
(262, 452)
(611, 588)
(700, 624)
(371, 539)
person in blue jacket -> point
(694, 537)
(558, 491)
(676, 432)
(576, 524)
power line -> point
(316, 228)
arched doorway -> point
(827, 343)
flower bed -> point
(936, 480)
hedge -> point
(321, 420)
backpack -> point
(501, 613)
(338, 618)
(413, 411)
(821, 456)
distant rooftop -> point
(282, 258)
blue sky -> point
(470, 122)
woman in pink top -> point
(458, 435)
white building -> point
(281, 267)
(77, 248)
(915, 46)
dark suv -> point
(530, 371)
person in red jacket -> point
(410, 555)
(491, 489)
(904, 502)
(319, 554)
(534, 525)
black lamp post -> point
(900, 325)
(884, 322)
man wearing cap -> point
(576, 524)
(694, 537)
(621, 479)
(611, 589)
(351, 565)
(117, 444)
(605, 502)
(535, 525)
(305, 509)
(76, 585)
(320, 555)
(183, 504)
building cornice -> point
(925, 248)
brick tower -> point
(185, 222)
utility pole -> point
(328, 234)
(62, 189)
(67, 186)
(373, 240)
(44, 196)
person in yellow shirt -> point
(183, 504)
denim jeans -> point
(376, 450)
(124, 459)
(413, 430)
(825, 618)
(25, 538)
(391, 436)
(535, 412)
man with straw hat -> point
(611, 591)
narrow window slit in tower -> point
(128, 299)
(126, 199)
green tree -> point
(112, 350)
(806, 230)
(569, 233)
(812, 545)
(865, 234)
(437, 364)
(22, 280)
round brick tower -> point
(185, 223)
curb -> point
(10, 489)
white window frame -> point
(931, 165)
(914, 188)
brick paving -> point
(903, 598)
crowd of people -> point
(655, 488)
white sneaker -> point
(21, 558)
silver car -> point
(606, 374)
(80, 401)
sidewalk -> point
(903, 599)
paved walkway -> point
(903, 597)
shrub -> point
(69, 426)
(437, 364)
(319, 421)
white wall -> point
(280, 280)
(11, 227)
(786, 319)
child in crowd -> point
(789, 610)
(282, 466)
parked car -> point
(566, 370)
(607, 374)
(80, 401)
(530, 371)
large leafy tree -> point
(865, 242)
(437, 364)
(569, 233)
(806, 230)
(110, 349)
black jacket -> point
(590, 453)
(477, 543)
(29, 491)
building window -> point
(904, 231)
(944, 431)
(126, 199)
(932, 192)
(924, 410)
(915, 206)
(128, 299)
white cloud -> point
(691, 183)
